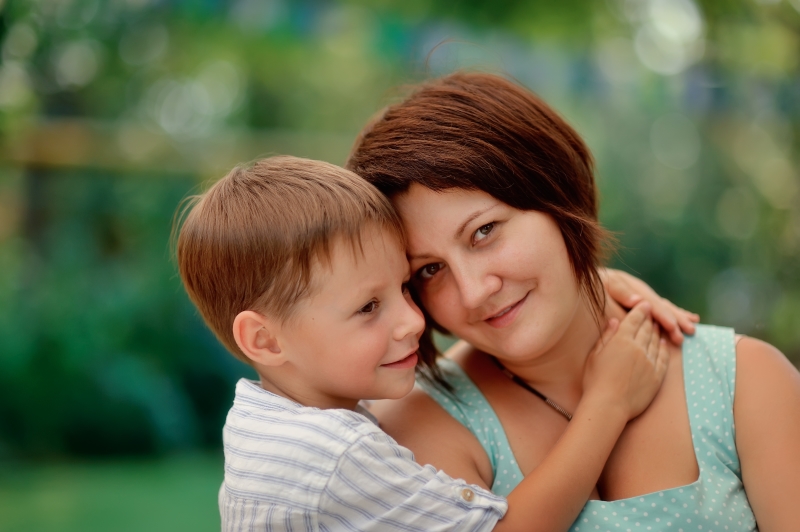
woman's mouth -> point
(408, 362)
(507, 315)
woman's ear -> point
(257, 337)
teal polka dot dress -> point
(468, 405)
(715, 502)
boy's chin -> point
(396, 392)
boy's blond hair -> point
(251, 240)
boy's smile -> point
(356, 336)
(408, 362)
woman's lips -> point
(409, 362)
(508, 315)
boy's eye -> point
(369, 308)
(482, 232)
(429, 270)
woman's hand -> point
(628, 364)
(627, 290)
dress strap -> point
(709, 368)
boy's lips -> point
(408, 362)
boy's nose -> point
(412, 321)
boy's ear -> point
(257, 337)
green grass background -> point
(179, 493)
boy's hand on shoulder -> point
(626, 290)
(626, 367)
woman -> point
(498, 199)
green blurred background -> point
(112, 392)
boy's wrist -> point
(605, 406)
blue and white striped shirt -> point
(295, 468)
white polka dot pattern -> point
(715, 502)
(468, 405)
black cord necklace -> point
(555, 406)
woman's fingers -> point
(686, 319)
(619, 289)
(629, 290)
(668, 321)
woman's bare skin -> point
(655, 451)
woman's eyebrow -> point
(458, 233)
(470, 218)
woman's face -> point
(495, 276)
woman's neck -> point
(558, 372)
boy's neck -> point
(284, 388)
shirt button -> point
(467, 494)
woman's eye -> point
(369, 308)
(429, 270)
(482, 232)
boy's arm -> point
(623, 374)
(378, 487)
(552, 495)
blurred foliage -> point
(125, 496)
(111, 112)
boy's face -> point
(357, 336)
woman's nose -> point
(475, 283)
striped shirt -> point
(295, 468)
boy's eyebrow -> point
(364, 290)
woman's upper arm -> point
(435, 437)
(767, 415)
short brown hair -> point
(250, 241)
(482, 132)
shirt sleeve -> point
(377, 486)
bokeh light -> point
(112, 112)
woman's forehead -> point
(422, 203)
(432, 217)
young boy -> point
(298, 266)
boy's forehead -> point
(364, 244)
(372, 243)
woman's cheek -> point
(440, 299)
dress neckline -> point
(636, 498)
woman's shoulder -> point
(418, 422)
(762, 370)
(767, 390)
(398, 416)
(756, 357)
(767, 416)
